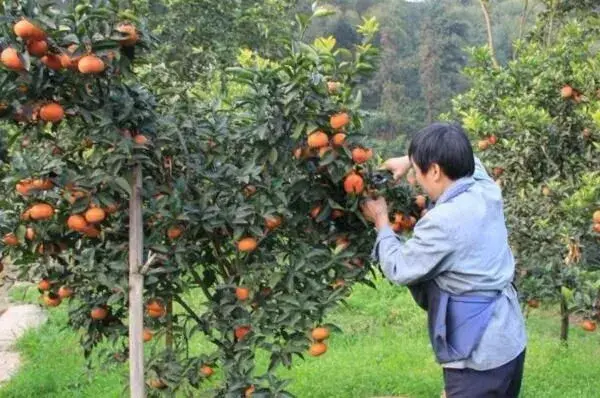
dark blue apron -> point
(456, 322)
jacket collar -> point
(459, 186)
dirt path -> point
(14, 321)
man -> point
(458, 265)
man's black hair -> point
(445, 144)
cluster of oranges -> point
(318, 347)
(39, 45)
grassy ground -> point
(384, 351)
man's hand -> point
(398, 166)
(376, 211)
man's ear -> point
(436, 171)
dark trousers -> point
(501, 382)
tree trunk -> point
(136, 288)
(169, 333)
(488, 24)
(564, 317)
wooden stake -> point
(136, 288)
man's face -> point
(432, 181)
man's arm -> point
(414, 260)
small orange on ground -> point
(339, 120)
(44, 285)
(147, 335)
(588, 325)
(11, 59)
(241, 331)
(10, 239)
(51, 300)
(354, 184)
(65, 292)
(242, 293)
(338, 139)
(174, 232)
(318, 139)
(317, 349)
(320, 333)
(28, 30)
(37, 48)
(77, 222)
(206, 371)
(95, 215)
(41, 211)
(248, 244)
(52, 112)
(272, 222)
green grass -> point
(384, 350)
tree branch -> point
(488, 24)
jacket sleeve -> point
(417, 259)
(480, 174)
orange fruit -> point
(333, 87)
(483, 145)
(249, 391)
(339, 120)
(52, 61)
(30, 234)
(41, 211)
(77, 222)
(174, 232)
(37, 48)
(315, 211)
(43, 184)
(342, 242)
(497, 171)
(24, 186)
(155, 308)
(95, 215)
(111, 208)
(338, 139)
(533, 303)
(26, 215)
(11, 59)
(566, 92)
(206, 371)
(27, 30)
(52, 112)
(44, 285)
(320, 333)
(90, 64)
(65, 292)
(361, 155)
(596, 227)
(420, 201)
(354, 184)
(140, 139)
(317, 349)
(272, 222)
(248, 244)
(131, 32)
(318, 139)
(157, 384)
(242, 293)
(99, 313)
(241, 331)
(588, 325)
(10, 239)
(492, 139)
(52, 300)
(91, 231)
(596, 216)
(147, 335)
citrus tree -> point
(536, 121)
(243, 227)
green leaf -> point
(123, 184)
